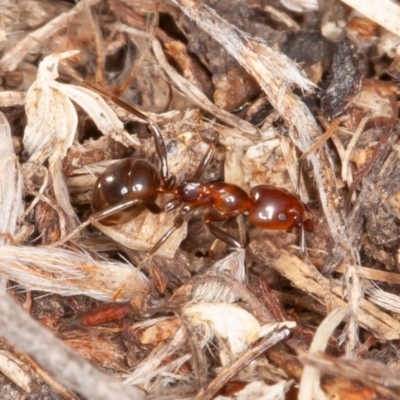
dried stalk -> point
(229, 372)
(192, 92)
(58, 358)
(310, 381)
(144, 372)
(12, 99)
(11, 185)
(69, 273)
(10, 182)
(13, 57)
(275, 73)
(299, 273)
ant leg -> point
(304, 255)
(105, 213)
(208, 156)
(161, 152)
(223, 236)
(299, 175)
(172, 205)
(185, 212)
(219, 233)
(179, 220)
(303, 245)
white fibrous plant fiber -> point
(70, 273)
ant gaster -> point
(130, 186)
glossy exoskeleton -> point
(135, 185)
(128, 179)
(130, 186)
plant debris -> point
(187, 300)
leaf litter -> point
(198, 320)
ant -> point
(130, 186)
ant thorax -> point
(194, 192)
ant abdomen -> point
(128, 179)
(277, 209)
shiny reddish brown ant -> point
(130, 186)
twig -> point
(55, 356)
(228, 373)
(11, 59)
(10, 182)
(328, 133)
(276, 73)
(299, 273)
(310, 380)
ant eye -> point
(282, 217)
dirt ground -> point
(248, 245)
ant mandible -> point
(128, 187)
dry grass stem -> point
(276, 73)
(69, 273)
(11, 59)
(310, 381)
(10, 185)
(19, 328)
(228, 372)
(12, 98)
(382, 325)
